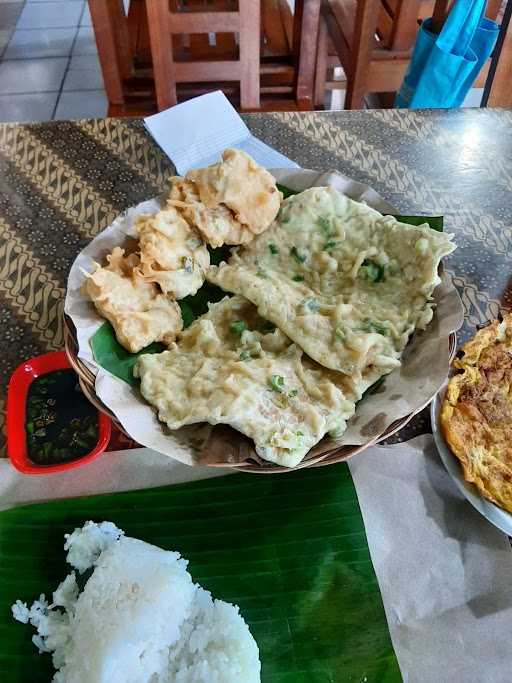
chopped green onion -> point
(293, 393)
(339, 333)
(30, 427)
(300, 258)
(372, 271)
(313, 305)
(261, 273)
(238, 327)
(325, 225)
(373, 326)
(245, 355)
(277, 383)
(298, 278)
(273, 249)
(331, 244)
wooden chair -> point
(373, 42)
(124, 48)
(164, 23)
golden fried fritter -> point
(229, 202)
(171, 254)
(139, 313)
(218, 226)
(476, 415)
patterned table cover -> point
(63, 182)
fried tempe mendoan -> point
(228, 202)
(171, 253)
(476, 415)
(138, 312)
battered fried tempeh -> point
(138, 312)
(171, 253)
(228, 202)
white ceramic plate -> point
(495, 515)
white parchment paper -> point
(443, 570)
(404, 391)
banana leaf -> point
(109, 353)
(290, 551)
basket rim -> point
(336, 455)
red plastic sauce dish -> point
(26, 395)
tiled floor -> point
(49, 66)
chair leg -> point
(106, 20)
(321, 64)
(249, 54)
(367, 16)
(162, 53)
(308, 13)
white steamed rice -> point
(139, 618)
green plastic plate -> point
(290, 550)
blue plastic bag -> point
(444, 67)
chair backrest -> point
(398, 23)
(165, 22)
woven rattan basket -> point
(86, 379)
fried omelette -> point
(476, 415)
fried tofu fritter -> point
(476, 415)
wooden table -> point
(63, 182)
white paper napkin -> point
(196, 132)
(443, 570)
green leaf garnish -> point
(109, 353)
(371, 270)
(237, 327)
(331, 244)
(298, 278)
(300, 258)
(285, 191)
(276, 383)
(435, 222)
(197, 304)
(273, 249)
(219, 254)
